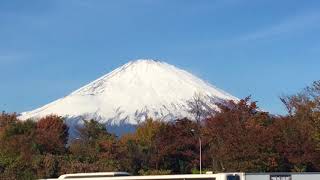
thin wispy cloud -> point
(10, 58)
(293, 25)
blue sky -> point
(263, 48)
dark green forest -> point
(240, 137)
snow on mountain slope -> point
(132, 92)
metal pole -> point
(200, 153)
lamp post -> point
(200, 152)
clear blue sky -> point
(263, 48)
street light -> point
(200, 151)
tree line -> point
(239, 137)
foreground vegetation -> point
(238, 138)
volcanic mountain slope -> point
(129, 94)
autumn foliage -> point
(51, 135)
(239, 137)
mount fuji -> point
(129, 94)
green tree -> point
(94, 150)
(17, 148)
(138, 150)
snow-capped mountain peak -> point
(131, 92)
